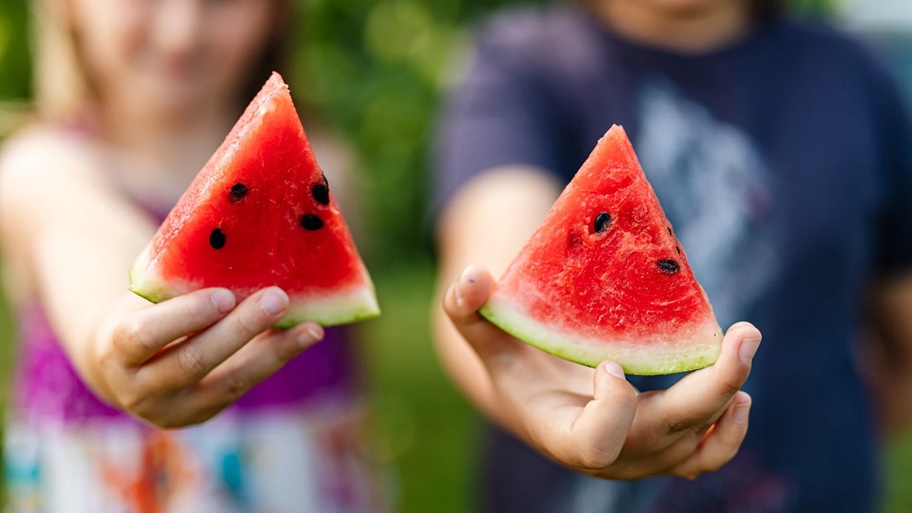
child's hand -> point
(182, 361)
(594, 421)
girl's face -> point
(687, 7)
(171, 56)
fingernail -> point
(311, 335)
(741, 413)
(465, 279)
(614, 369)
(748, 349)
(223, 300)
(274, 302)
(468, 275)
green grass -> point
(899, 475)
(426, 431)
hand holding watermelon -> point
(260, 222)
(604, 282)
(261, 213)
(594, 421)
(182, 361)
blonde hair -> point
(60, 85)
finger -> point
(252, 364)
(461, 303)
(722, 442)
(186, 363)
(147, 331)
(697, 400)
(598, 434)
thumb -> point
(469, 293)
(461, 303)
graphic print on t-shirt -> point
(713, 184)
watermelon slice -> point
(604, 278)
(260, 213)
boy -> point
(781, 154)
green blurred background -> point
(375, 70)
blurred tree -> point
(375, 69)
(15, 79)
(15, 70)
(813, 7)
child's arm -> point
(592, 421)
(890, 364)
(70, 238)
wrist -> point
(91, 356)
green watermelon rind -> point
(354, 304)
(634, 359)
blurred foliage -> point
(814, 8)
(376, 70)
(15, 69)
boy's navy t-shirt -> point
(784, 161)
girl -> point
(133, 97)
(782, 154)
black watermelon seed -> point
(217, 239)
(238, 192)
(678, 249)
(669, 231)
(311, 222)
(602, 221)
(321, 193)
(668, 266)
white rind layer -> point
(344, 306)
(642, 357)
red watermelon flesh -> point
(261, 213)
(605, 278)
